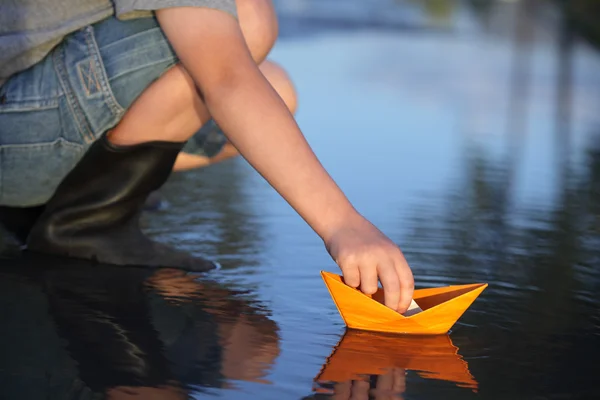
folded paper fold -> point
(442, 307)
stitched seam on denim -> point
(111, 101)
(135, 35)
(61, 141)
(15, 107)
(156, 46)
(76, 111)
(88, 76)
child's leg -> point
(93, 212)
(190, 159)
(114, 75)
(281, 82)
(170, 109)
(259, 25)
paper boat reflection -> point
(362, 354)
(442, 307)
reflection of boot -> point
(102, 317)
(18, 221)
(94, 212)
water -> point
(469, 137)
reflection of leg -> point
(34, 363)
(280, 81)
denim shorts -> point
(52, 112)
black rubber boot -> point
(94, 213)
(18, 221)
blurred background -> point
(469, 132)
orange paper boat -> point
(360, 355)
(442, 307)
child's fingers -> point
(391, 284)
(368, 278)
(351, 274)
(407, 285)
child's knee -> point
(281, 82)
(173, 94)
(182, 91)
(169, 109)
(259, 25)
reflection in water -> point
(210, 213)
(376, 364)
(73, 331)
(541, 263)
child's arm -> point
(211, 47)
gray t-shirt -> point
(29, 29)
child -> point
(97, 99)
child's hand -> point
(365, 255)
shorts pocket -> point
(30, 173)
